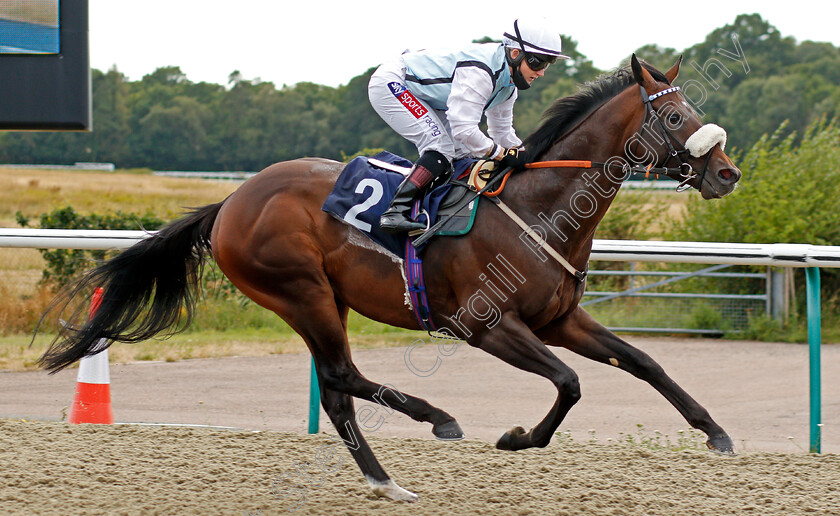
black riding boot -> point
(397, 218)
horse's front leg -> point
(512, 341)
(581, 334)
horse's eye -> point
(674, 119)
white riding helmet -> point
(534, 37)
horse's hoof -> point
(450, 431)
(721, 444)
(511, 440)
(390, 489)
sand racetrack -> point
(757, 391)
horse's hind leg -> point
(323, 328)
(581, 334)
(313, 311)
(339, 408)
(337, 371)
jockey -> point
(436, 100)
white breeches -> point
(412, 118)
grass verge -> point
(17, 354)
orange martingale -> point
(567, 163)
(542, 164)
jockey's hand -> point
(515, 158)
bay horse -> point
(273, 241)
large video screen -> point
(45, 82)
(29, 27)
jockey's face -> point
(529, 74)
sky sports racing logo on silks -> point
(396, 88)
(407, 99)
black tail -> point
(148, 289)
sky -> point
(330, 42)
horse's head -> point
(674, 136)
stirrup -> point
(420, 231)
(399, 226)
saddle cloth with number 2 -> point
(364, 190)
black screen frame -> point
(50, 92)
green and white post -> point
(812, 292)
(314, 400)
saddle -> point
(365, 187)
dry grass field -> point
(35, 191)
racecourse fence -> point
(704, 302)
(810, 257)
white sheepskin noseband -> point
(702, 141)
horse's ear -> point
(674, 71)
(643, 77)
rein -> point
(684, 173)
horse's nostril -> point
(726, 174)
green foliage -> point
(789, 193)
(631, 216)
(706, 316)
(763, 328)
(64, 264)
(225, 313)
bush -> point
(707, 316)
(789, 193)
(64, 264)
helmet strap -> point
(516, 63)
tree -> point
(110, 117)
(173, 137)
(761, 44)
(660, 57)
(166, 121)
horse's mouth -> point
(717, 191)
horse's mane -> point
(568, 111)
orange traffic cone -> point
(92, 402)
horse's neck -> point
(569, 203)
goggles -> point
(537, 62)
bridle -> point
(684, 173)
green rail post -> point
(812, 291)
(314, 400)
